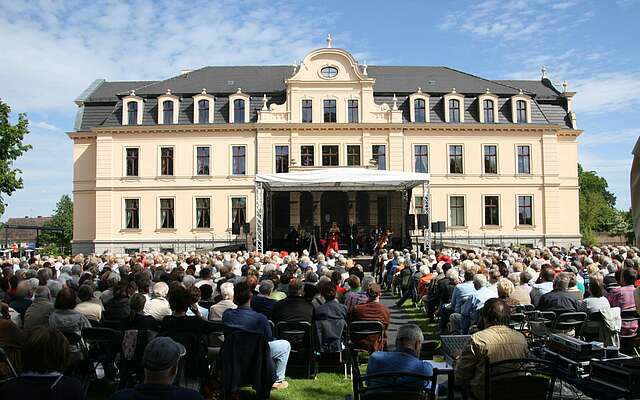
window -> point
(419, 204)
(202, 160)
(421, 154)
(132, 161)
(238, 210)
(521, 111)
(203, 111)
(420, 113)
(487, 106)
(238, 162)
(307, 156)
(329, 72)
(203, 213)
(524, 160)
(132, 113)
(238, 111)
(456, 211)
(379, 153)
(166, 161)
(307, 110)
(454, 110)
(167, 214)
(330, 156)
(329, 110)
(282, 159)
(455, 159)
(132, 213)
(491, 211)
(490, 159)
(525, 210)
(353, 155)
(352, 106)
(167, 112)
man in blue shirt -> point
(404, 359)
(461, 293)
(473, 306)
(245, 319)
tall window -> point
(329, 110)
(132, 113)
(132, 161)
(456, 210)
(521, 111)
(307, 156)
(421, 158)
(419, 204)
(419, 110)
(132, 213)
(490, 159)
(307, 111)
(166, 161)
(491, 210)
(238, 162)
(167, 214)
(379, 153)
(353, 155)
(455, 159)
(454, 110)
(524, 159)
(202, 160)
(282, 159)
(525, 210)
(487, 106)
(353, 111)
(167, 112)
(330, 156)
(203, 111)
(238, 111)
(203, 212)
(239, 210)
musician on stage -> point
(334, 239)
(377, 263)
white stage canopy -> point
(343, 179)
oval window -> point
(329, 72)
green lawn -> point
(419, 317)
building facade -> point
(171, 164)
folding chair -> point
(81, 367)
(393, 385)
(628, 316)
(570, 321)
(298, 332)
(518, 321)
(359, 330)
(103, 346)
(526, 379)
(6, 368)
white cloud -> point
(607, 92)
(46, 125)
(617, 137)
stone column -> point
(352, 208)
(294, 209)
(317, 218)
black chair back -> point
(524, 308)
(300, 335)
(359, 330)
(110, 323)
(206, 304)
(131, 369)
(394, 385)
(7, 370)
(526, 379)
(629, 316)
(518, 321)
(570, 320)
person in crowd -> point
(160, 362)
(405, 358)
(559, 299)
(118, 307)
(137, 320)
(505, 292)
(11, 337)
(218, 309)
(461, 293)
(445, 292)
(37, 315)
(573, 286)
(495, 342)
(596, 301)
(244, 319)
(64, 316)
(262, 302)
(194, 292)
(373, 310)
(360, 297)
(354, 288)
(22, 299)
(522, 290)
(158, 305)
(544, 284)
(45, 356)
(89, 306)
(331, 309)
(623, 297)
(471, 310)
(293, 308)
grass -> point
(419, 317)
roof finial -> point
(520, 91)
(419, 89)
(204, 91)
(132, 92)
(169, 91)
(395, 102)
(264, 102)
(364, 68)
(544, 72)
(329, 40)
(487, 91)
(565, 85)
(239, 90)
(453, 90)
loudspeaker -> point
(246, 228)
(411, 222)
(423, 221)
(235, 228)
(439, 227)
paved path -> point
(398, 317)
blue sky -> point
(51, 52)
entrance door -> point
(334, 207)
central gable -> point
(317, 65)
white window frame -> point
(273, 158)
(159, 212)
(194, 212)
(494, 99)
(453, 95)
(514, 109)
(195, 160)
(246, 159)
(341, 160)
(413, 156)
(124, 162)
(313, 106)
(346, 154)
(125, 103)
(497, 146)
(230, 209)
(464, 211)
(515, 151)
(124, 214)
(159, 173)
(412, 110)
(448, 161)
(346, 109)
(196, 109)
(247, 106)
(176, 107)
(483, 202)
(533, 210)
(386, 154)
(315, 153)
(339, 115)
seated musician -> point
(496, 341)
(404, 359)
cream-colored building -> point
(171, 164)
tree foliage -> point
(11, 147)
(62, 218)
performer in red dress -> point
(334, 239)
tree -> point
(597, 205)
(11, 147)
(62, 218)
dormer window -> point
(168, 107)
(238, 111)
(419, 106)
(521, 112)
(203, 111)
(239, 108)
(521, 108)
(203, 108)
(329, 72)
(454, 107)
(132, 109)
(132, 113)
(489, 111)
(167, 112)
(488, 108)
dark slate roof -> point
(543, 89)
(108, 91)
(252, 79)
